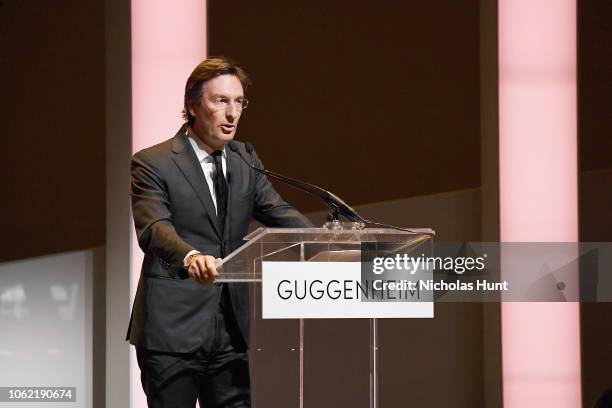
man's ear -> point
(191, 112)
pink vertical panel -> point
(538, 191)
(168, 41)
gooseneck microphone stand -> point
(337, 205)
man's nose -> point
(231, 112)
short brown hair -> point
(205, 71)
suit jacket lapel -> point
(187, 161)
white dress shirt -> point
(204, 154)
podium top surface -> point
(324, 234)
(310, 244)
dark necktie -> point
(221, 190)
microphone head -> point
(248, 147)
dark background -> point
(375, 103)
(595, 205)
(52, 127)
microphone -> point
(337, 205)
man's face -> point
(217, 114)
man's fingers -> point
(211, 268)
(203, 269)
(196, 271)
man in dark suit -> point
(192, 201)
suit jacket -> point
(174, 214)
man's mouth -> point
(227, 128)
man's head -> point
(214, 100)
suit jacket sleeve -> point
(270, 209)
(152, 216)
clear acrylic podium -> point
(314, 362)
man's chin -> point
(225, 138)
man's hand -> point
(203, 268)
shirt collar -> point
(202, 150)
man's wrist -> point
(189, 257)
